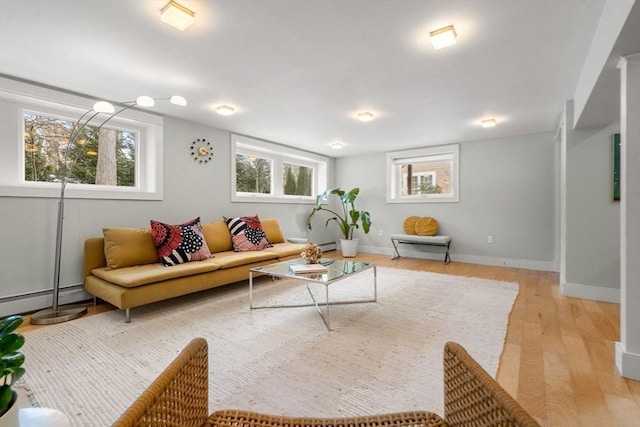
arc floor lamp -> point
(90, 119)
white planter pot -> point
(10, 418)
(349, 247)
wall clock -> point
(201, 150)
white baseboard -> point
(438, 254)
(628, 364)
(596, 293)
(41, 300)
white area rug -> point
(381, 357)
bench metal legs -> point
(396, 254)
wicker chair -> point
(179, 398)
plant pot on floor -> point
(349, 247)
(10, 417)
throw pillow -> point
(272, 230)
(247, 233)
(177, 244)
(427, 226)
(126, 247)
(409, 224)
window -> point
(424, 175)
(268, 172)
(103, 156)
(122, 160)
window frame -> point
(279, 154)
(396, 159)
(16, 98)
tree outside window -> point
(253, 174)
(106, 157)
(297, 180)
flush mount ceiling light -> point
(337, 145)
(177, 16)
(365, 116)
(225, 110)
(443, 37)
(488, 123)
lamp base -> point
(63, 313)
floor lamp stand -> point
(58, 314)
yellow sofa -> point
(123, 269)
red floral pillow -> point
(177, 244)
(247, 233)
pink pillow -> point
(177, 244)
(247, 233)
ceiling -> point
(299, 71)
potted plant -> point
(348, 218)
(11, 369)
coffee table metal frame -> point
(337, 270)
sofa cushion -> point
(286, 249)
(272, 229)
(233, 259)
(139, 275)
(217, 236)
(247, 233)
(124, 247)
(177, 244)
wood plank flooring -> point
(558, 359)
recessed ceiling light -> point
(225, 110)
(177, 16)
(337, 145)
(365, 116)
(443, 37)
(488, 123)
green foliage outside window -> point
(253, 174)
(297, 180)
(45, 144)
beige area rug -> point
(381, 357)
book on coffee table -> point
(308, 268)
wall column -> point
(627, 350)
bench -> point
(412, 239)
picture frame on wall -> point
(616, 167)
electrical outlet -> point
(490, 238)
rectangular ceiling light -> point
(443, 37)
(177, 16)
(488, 123)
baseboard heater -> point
(329, 246)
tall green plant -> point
(349, 218)
(11, 359)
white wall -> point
(592, 268)
(507, 189)
(27, 225)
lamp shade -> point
(145, 101)
(178, 100)
(103, 107)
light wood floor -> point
(558, 355)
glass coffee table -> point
(337, 270)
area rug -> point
(380, 357)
